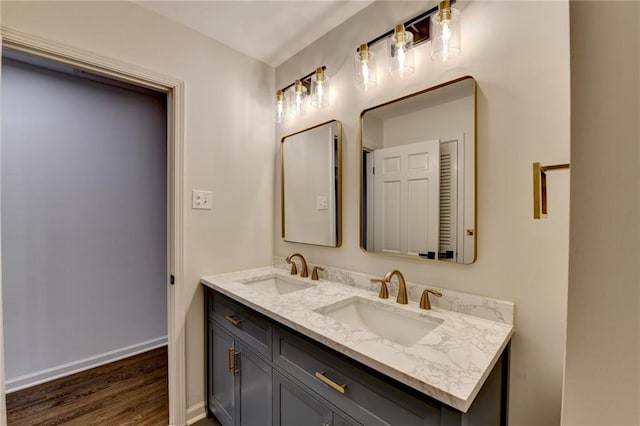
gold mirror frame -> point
(338, 183)
(470, 230)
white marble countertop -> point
(450, 364)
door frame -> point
(175, 90)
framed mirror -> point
(418, 181)
(312, 186)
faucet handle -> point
(384, 290)
(294, 268)
(314, 273)
(424, 300)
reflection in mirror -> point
(311, 187)
(418, 193)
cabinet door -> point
(254, 376)
(221, 376)
(294, 406)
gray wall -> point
(83, 220)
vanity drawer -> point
(242, 322)
(369, 399)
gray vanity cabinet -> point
(262, 373)
(221, 382)
(239, 381)
(368, 399)
(239, 373)
(254, 388)
(295, 406)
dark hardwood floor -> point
(207, 422)
(132, 391)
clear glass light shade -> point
(279, 107)
(365, 69)
(296, 99)
(320, 94)
(445, 33)
(401, 61)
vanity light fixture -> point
(291, 100)
(445, 30)
(365, 68)
(320, 89)
(401, 50)
(440, 24)
(279, 106)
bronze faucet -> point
(402, 286)
(424, 300)
(304, 273)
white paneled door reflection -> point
(406, 200)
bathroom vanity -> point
(285, 350)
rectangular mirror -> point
(418, 181)
(311, 185)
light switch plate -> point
(201, 199)
(322, 203)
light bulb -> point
(445, 33)
(365, 69)
(320, 89)
(401, 58)
(445, 27)
(299, 91)
(279, 106)
(296, 97)
(401, 50)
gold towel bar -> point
(540, 187)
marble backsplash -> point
(468, 304)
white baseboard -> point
(63, 370)
(195, 413)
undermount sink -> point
(277, 284)
(386, 321)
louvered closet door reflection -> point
(406, 205)
(448, 196)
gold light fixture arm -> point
(540, 187)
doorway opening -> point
(97, 67)
(84, 215)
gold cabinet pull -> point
(232, 320)
(229, 359)
(325, 424)
(321, 375)
(236, 368)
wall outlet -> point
(322, 203)
(201, 199)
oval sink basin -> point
(390, 322)
(277, 284)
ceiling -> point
(268, 30)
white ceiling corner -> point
(268, 30)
